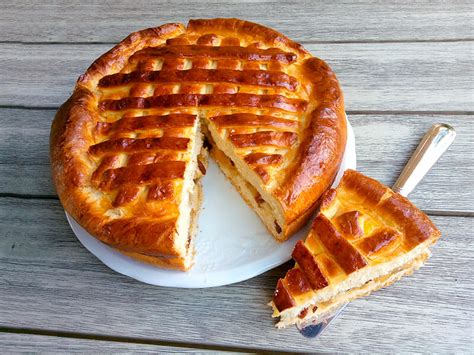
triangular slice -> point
(365, 237)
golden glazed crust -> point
(364, 233)
(122, 145)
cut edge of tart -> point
(125, 147)
(365, 237)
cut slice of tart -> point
(365, 237)
(125, 146)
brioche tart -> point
(128, 152)
(365, 237)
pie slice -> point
(127, 148)
(365, 237)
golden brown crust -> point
(377, 241)
(282, 296)
(117, 144)
(322, 149)
(130, 124)
(349, 224)
(305, 259)
(119, 54)
(69, 173)
(390, 206)
(247, 77)
(167, 261)
(345, 255)
(364, 231)
(232, 52)
(243, 28)
(250, 119)
(193, 100)
(71, 136)
(326, 310)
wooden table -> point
(402, 67)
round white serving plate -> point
(232, 244)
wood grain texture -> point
(32, 343)
(301, 20)
(374, 76)
(49, 281)
(384, 144)
(390, 59)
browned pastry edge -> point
(120, 53)
(71, 125)
(234, 25)
(69, 177)
(177, 262)
(322, 148)
(68, 172)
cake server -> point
(433, 144)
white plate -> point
(232, 244)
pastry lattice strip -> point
(175, 64)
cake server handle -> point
(434, 143)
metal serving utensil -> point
(434, 143)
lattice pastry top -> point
(124, 147)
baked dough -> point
(365, 237)
(126, 146)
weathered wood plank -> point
(384, 144)
(32, 343)
(374, 76)
(50, 282)
(302, 20)
(24, 152)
